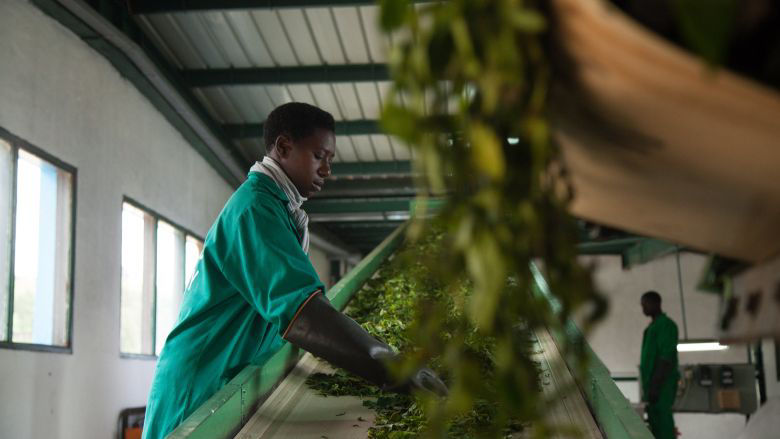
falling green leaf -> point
(392, 13)
(486, 151)
(399, 121)
(529, 20)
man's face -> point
(307, 161)
(647, 308)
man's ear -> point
(283, 146)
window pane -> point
(6, 168)
(42, 253)
(62, 273)
(170, 279)
(137, 295)
(192, 255)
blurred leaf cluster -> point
(469, 95)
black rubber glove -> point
(660, 372)
(423, 379)
(324, 331)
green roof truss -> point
(286, 75)
(343, 128)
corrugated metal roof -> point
(216, 72)
(289, 37)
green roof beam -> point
(351, 225)
(161, 6)
(632, 250)
(607, 247)
(345, 169)
(368, 187)
(351, 233)
(286, 75)
(647, 250)
(343, 128)
(357, 205)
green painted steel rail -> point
(223, 415)
(613, 413)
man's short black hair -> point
(297, 121)
(652, 297)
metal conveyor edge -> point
(614, 414)
(225, 412)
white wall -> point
(617, 340)
(60, 95)
(321, 264)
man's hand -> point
(425, 380)
(327, 333)
(652, 395)
(662, 370)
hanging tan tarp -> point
(660, 145)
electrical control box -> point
(717, 388)
(753, 310)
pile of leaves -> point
(388, 307)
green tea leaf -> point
(392, 13)
(486, 151)
(529, 20)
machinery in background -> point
(131, 422)
(717, 388)
(752, 311)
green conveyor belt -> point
(224, 415)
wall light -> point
(687, 344)
(700, 346)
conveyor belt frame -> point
(613, 412)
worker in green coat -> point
(254, 286)
(658, 367)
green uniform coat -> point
(659, 342)
(249, 282)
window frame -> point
(157, 218)
(17, 143)
(777, 360)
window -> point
(36, 252)
(157, 257)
